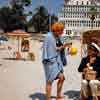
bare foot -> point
(60, 97)
(48, 98)
(95, 98)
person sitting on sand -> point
(92, 60)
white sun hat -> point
(95, 46)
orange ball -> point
(73, 51)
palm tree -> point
(54, 18)
(40, 19)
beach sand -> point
(25, 80)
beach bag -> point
(89, 74)
(62, 53)
(63, 58)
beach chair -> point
(89, 92)
(98, 90)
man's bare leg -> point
(59, 85)
(48, 90)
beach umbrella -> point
(18, 34)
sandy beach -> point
(25, 80)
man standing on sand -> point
(52, 60)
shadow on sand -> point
(0, 64)
(9, 58)
(72, 94)
(39, 96)
(15, 59)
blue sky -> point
(53, 4)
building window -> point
(77, 2)
(87, 3)
(96, 24)
(82, 3)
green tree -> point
(18, 7)
(40, 19)
(54, 18)
(15, 16)
(7, 21)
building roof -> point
(74, 2)
(79, 2)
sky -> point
(51, 5)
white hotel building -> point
(74, 14)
